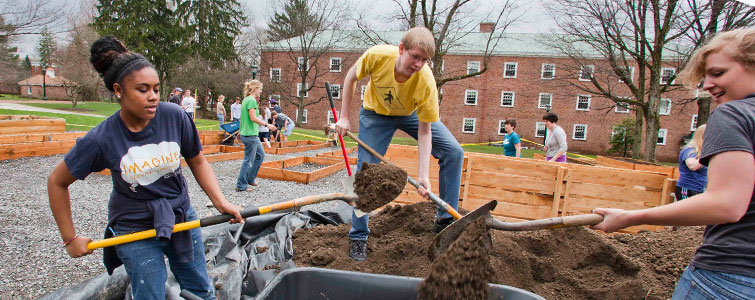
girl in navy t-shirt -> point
(142, 145)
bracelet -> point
(65, 244)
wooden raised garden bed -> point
(277, 169)
(23, 124)
(338, 154)
(296, 146)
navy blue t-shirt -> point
(688, 179)
(509, 141)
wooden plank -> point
(13, 151)
(324, 172)
(558, 190)
(666, 192)
(227, 149)
(667, 170)
(521, 197)
(586, 205)
(323, 160)
(516, 167)
(512, 182)
(465, 185)
(615, 163)
(224, 156)
(508, 209)
(617, 177)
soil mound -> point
(377, 185)
(570, 263)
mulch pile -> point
(571, 263)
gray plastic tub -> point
(316, 283)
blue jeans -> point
(697, 283)
(254, 154)
(377, 130)
(145, 265)
(221, 119)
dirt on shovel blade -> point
(464, 270)
(377, 185)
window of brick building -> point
(664, 107)
(335, 64)
(302, 64)
(28, 90)
(662, 136)
(545, 100)
(580, 132)
(501, 129)
(332, 120)
(303, 116)
(585, 72)
(629, 73)
(539, 129)
(693, 125)
(335, 91)
(507, 99)
(470, 97)
(509, 70)
(616, 130)
(583, 102)
(548, 71)
(473, 67)
(622, 107)
(302, 91)
(275, 74)
(469, 125)
(667, 75)
(277, 98)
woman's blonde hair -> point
(739, 44)
(250, 86)
(421, 38)
(221, 98)
(697, 140)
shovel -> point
(214, 220)
(449, 234)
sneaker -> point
(358, 250)
(441, 224)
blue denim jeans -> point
(221, 120)
(377, 131)
(145, 265)
(254, 154)
(699, 284)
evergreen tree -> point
(26, 64)
(46, 49)
(295, 20)
(213, 26)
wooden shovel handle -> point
(551, 223)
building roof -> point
(49, 81)
(474, 43)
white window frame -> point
(464, 123)
(332, 59)
(303, 116)
(300, 62)
(276, 97)
(540, 100)
(673, 72)
(574, 132)
(513, 97)
(336, 95)
(272, 74)
(330, 116)
(693, 124)
(631, 74)
(664, 135)
(625, 109)
(542, 71)
(588, 102)
(28, 89)
(506, 67)
(469, 93)
(501, 129)
(364, 90)
(470, 66)
(668, 110)
(614, 130)
(299, 89)
(582, 72)
(537, 126)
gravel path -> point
(35, 264)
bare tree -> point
(84, 83)
(30, 17)
(320, 35)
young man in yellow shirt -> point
(401, 94)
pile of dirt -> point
(377, 185)
(571, 263)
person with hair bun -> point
(142, 145)
(723, 267)
(254, 154)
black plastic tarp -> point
(240, 264)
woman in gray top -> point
(555, 139)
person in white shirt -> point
(188, 103)
(236, 110)
(264, 131)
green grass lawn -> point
(98, 108)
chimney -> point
(487, 26)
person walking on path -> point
(512, 144)
(282, 121)
(250, 122)
(188, 103)
(142, 145)
(555, 140)
(402, 73)
(220, 109)
(175, 97)
(723, 267)
(236, 110)
(264, 131)
(693, 176)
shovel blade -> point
(348, 188)
(448, 235)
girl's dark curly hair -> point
(113, 61)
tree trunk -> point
(637, 133)
(703, 110)
(651, 126)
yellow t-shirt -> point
(386, 96)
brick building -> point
(55, 87)
(525, 75)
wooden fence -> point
(624, 163)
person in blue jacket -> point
(693, 176)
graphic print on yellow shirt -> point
(386, 96)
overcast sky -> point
(534, 19)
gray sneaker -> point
(358, 250)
